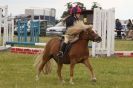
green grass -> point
(17, 71)
(1, 41)
(126, 45)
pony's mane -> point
(80, 25)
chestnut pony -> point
(78, 53)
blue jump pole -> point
(35, 30)
(25, 30)
(18, 29)
(22, 30)
(20, 43)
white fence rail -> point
(104, 24)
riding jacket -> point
(70, 21)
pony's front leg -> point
(59, 72)
(88, 65)
(71, 73)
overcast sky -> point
(123, 8)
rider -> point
(74, 16)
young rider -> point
(74, 17)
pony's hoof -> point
(94, 80)
(71, 82)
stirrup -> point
(60, 54)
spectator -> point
(118, 27)
(130, 25)
(130, 29)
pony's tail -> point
(46, 69)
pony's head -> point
(90, 34)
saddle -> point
(64, 48)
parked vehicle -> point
(58, 29)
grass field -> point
(125, 45)
(17, 71)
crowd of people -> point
(128, 32)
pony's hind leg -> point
(59, 72)
(88, 65)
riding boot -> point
(66, 39)
(62, 50)
(63, 46)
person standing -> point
(118, 27)
(130, 29)
(130, 25)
